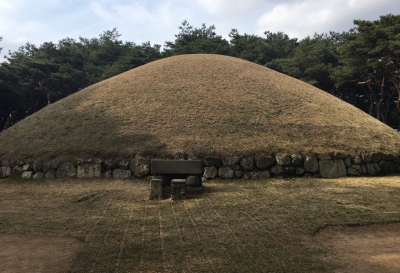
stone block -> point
(387, 167)
(366, 158)
(373, 169)
(354, 170)
(78, 162)
(226, 172)
(209, 162)
(238, 174)
(289, 170)
(88, 171)
(364, 169)
(16, 172)
(50, 174)
(228, 161)
(156, 189)
(178, 189)
(26, 174)
(108, 174)
(236, 167)
(5, 171)
(297, 160)
(347, 161)
(193, 181)
(188, 167)
(46, 166)
(247, 164)
(55, 164)
(210, 172)
(283, 160)
(260, 174)
(310, 164)
(141, 167)
(66, 169)
(332, 168)
(38, 175)
(357, 160)
(277, 169)
(376, 157)
(109, 164)
(124, 164)
(37, 166)
(263, 162)
(300, 171)
(119, 173)
(27, 167)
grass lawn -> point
(235, 226)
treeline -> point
(360, 66)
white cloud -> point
(225, 8)
(303, 18)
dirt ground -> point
(36, 253)
(373, 248)
(366, 249)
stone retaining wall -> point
(326, 166)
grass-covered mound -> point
(204, 105)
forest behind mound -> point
(360, 66)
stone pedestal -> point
(178, 189)
(156, 189)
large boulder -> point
(140, 167)
(66, 169)
(332, 168)
(210, 172)
(89, 171)
(263, 162)
(247, 163)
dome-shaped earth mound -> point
(203, 105)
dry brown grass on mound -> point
(200, 104)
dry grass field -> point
(273, 225)
(204, 105)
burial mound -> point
(203, 105)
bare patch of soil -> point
(373, 248)
(36, 253)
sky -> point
(157, 21)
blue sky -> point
(157, 21)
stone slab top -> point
(194, 167)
